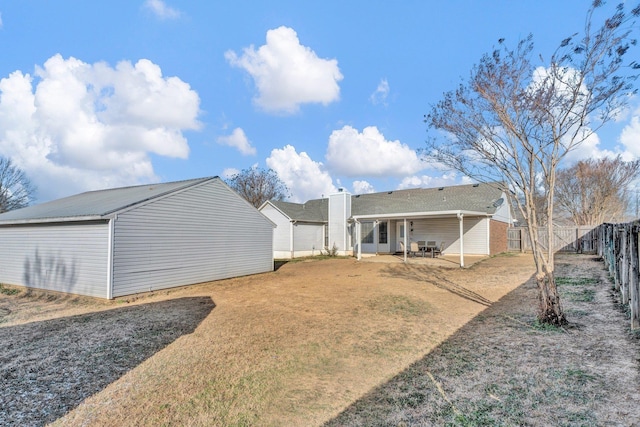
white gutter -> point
(414, 215)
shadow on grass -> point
(47, 368)
(437, 278)
(500, 369)
(422, 394)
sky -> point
(107, 93)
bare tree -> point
(595, 191)
(513, 122)
(258, 185)
(16, 190)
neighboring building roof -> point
(312, 211)
(473, 198)
(95, 204)
(479, 198)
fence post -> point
(634, 284)
(624, 275)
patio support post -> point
(405, 240)
(359, 239)
(376, 234)
(461, 220)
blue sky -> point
(97, 94)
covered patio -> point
(456, 233)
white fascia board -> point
(414, 215)
(274, 207)
(53, 220)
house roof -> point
(312, 211)
(95, 205)
(477, 198)
(481, 198)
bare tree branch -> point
(16, 190)
(513, 122)
(258, 185)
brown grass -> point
(295, 347)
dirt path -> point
(300, 345)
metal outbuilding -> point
(122, 241)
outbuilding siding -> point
(71, 257)
(205, 232)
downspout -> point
(461, 220)
(110, 258)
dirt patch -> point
(302, 344)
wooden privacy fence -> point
(618, 246)
(580, 239)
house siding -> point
(71, 257)
(339, 212)
(447, 230)
(282, 233)
(203, 233)
(308, 239)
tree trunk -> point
(550, 311)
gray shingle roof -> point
(472, 197)
(95, 204)
(312, 211)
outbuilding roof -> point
(95, 205)
(477, 198)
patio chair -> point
(431, 247)
(414, 248)
(438, 249)
(422, 245)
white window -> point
(367, 232)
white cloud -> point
(1, 21)
(161, 10)
(74, 126)
(362, 187)
(229, 172)
(427, 181)
(381, 93)
(352, 153)
(239, 140)
(304, 177)
(288, 74)
(630, 136)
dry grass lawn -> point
(304, 345)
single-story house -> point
(463, 219)
(122, 241)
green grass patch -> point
(8, 291)
(582, 295)
(546, 327)
(576, 281)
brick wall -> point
(497, 237)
